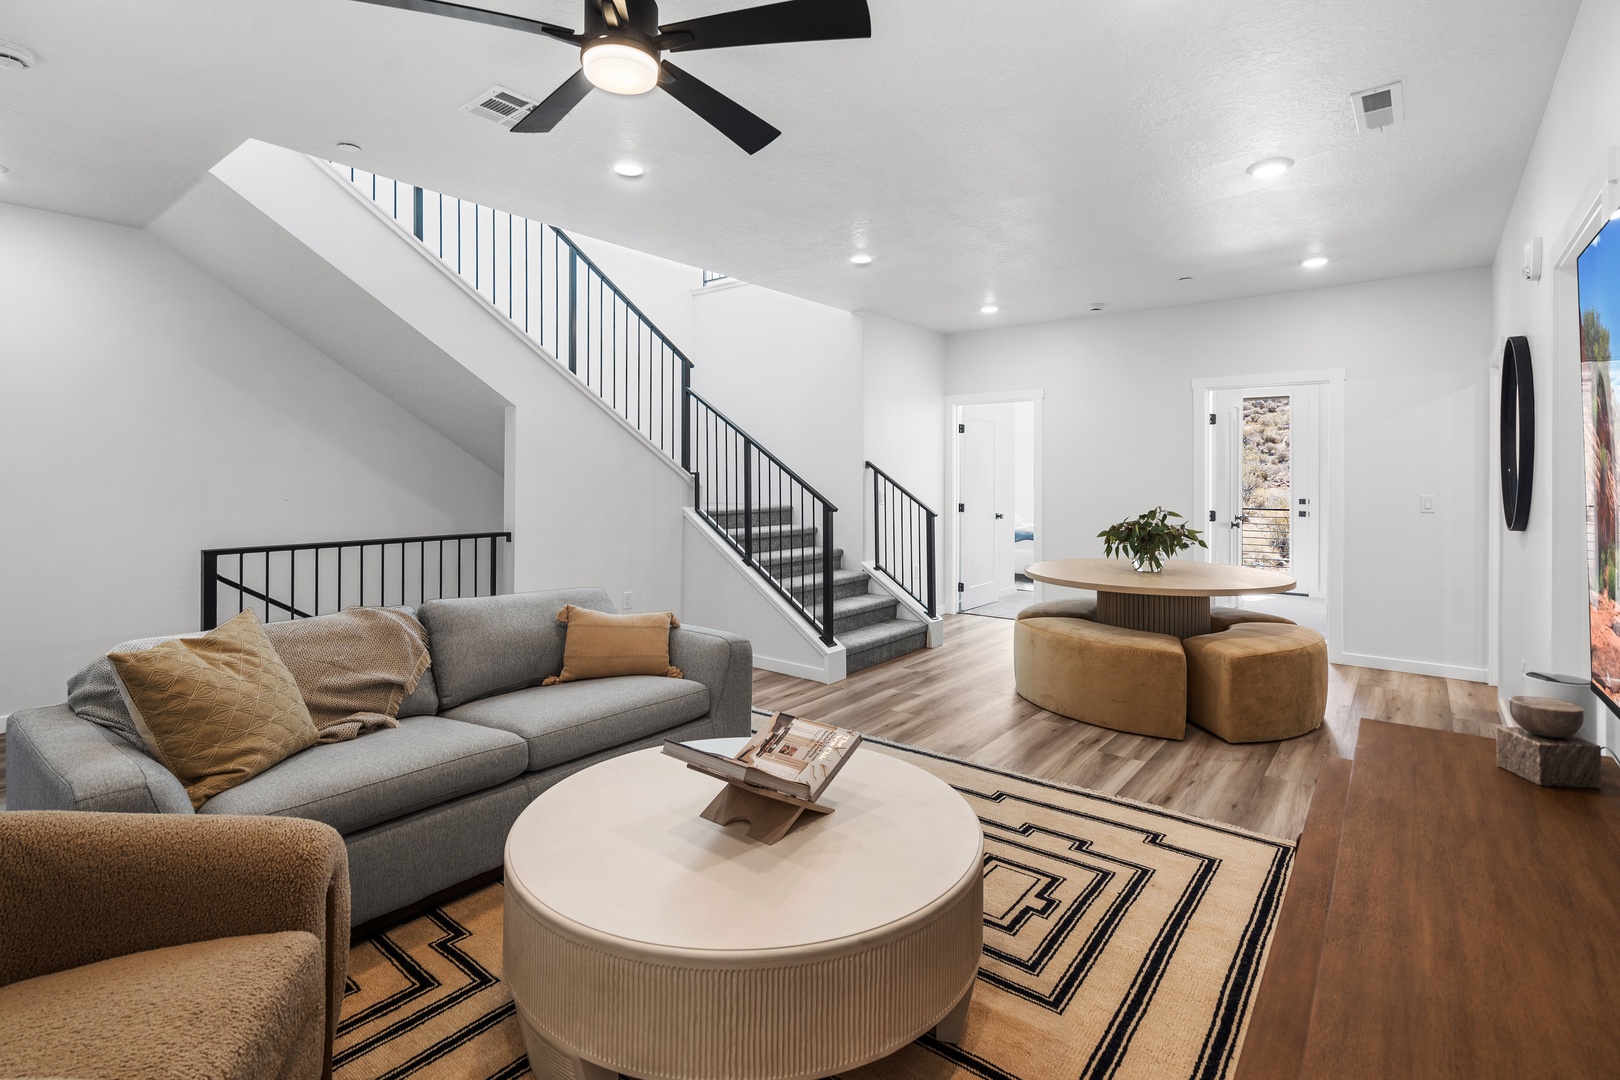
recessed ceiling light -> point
(989, 309)
(1270, 168)
(15, 57)
(1183, 279)
(1315, 262)
(629, 169)
(860, 258)
(348, 146)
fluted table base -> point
(1178, 616)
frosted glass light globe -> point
(619, 68)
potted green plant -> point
(1150, 539)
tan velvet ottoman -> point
(1257, 682)
(1224, 618)
(1127, 680)
(1077, 608)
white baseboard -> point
(797, 670)
(1413, 667)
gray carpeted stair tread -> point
(878, 644)
(845, 583)
(854, 612)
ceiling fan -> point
(621, 51)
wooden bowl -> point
(1548, 717)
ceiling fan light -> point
(619, 68)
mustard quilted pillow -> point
(217, 709)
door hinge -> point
(1211, 419)
(961, 587)
(961, 429)
(1212, 515)
(961, 508)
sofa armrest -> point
(84, 887)
(723, 662)
(57, 761)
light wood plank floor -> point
(959, 700)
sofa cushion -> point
(424, 700)
(605, 645)
(485, 645)
(236, 1008)
(350, 786)
(569, 720)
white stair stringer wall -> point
(783, 641)
(588, 499)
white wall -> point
(1118, 437)
(146, 413)
(588, 499)
(1543, 584)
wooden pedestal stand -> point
(770, 814)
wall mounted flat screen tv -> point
(1599, 274)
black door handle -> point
(1000, 516)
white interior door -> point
(976, 512)
(1225, 465)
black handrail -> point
(650, 388)
(767, 512)
(905, 550)
(276, 586)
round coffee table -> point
(643, 940)
(1174, 601)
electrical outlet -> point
(1426, 504)
(626, 604)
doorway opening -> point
(995, 492)
(1266, 466)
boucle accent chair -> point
(148, 947)
(1127, 680)
(1257, 682)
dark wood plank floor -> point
(959, 700)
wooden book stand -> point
(770, 814)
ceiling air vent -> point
(499, 106)
(1378, 108)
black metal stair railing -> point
(537, 276)
(903, 539)
(778, 523)
(299, 581)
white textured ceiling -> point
(1048, 154)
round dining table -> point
(1173, 601)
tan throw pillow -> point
(217, 709)
(600, 645)
(353, 667)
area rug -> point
(1122, 941)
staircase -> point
(537, 277)
(866, 623)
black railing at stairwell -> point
(780, 525)
(903, 537)
(298, 581)
(537, 276)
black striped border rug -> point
(1122, 942)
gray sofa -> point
(427, 805)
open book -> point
(791, 755)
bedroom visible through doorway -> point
(995, 497)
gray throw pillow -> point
(93, 693)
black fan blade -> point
(794, 20)
(731, 119)
(478, 15)
(545, 116)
